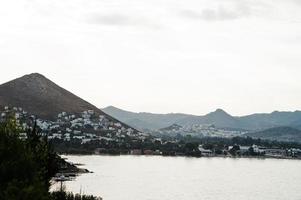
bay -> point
(129, 177)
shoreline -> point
(216, 156)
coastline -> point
(215, 156)
(126, 170)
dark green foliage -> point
(71, 196)
(234, 150)
(26, 166)
(23, 173)
(179, 145)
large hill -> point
(143, 120)
(278, 133)
(43, 98)
(219, 118)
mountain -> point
(152, 121)
(172, 127)
(274, 119)
(43, 98)
(219, 118)
(144, 121)
(278, 133)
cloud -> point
(121, 20)
(298, 2)
(218, 13)
(112, 19)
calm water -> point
(180, 178)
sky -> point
(160, 56)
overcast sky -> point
(191, 56)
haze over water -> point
(182, 178)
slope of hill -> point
(43, 98)
(171, 128)
(278, 133)
(274, 119)
(144, 121)
(152, 121)
(219, 118)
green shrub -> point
(26, 166)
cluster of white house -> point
(89, 126)
(259, 150)
(86, 127)
(203, 130)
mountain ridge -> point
(282, 133)
(148, 121)
(219, 118)
(41, 97)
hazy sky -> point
(189, 56)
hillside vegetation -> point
(27, 166)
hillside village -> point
(199, 130)
(93, 129)
(86, 127)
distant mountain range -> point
(278, 133)
(171, 127)
(144, 121)
(219, 118)
(43, 98)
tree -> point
(25, 166)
